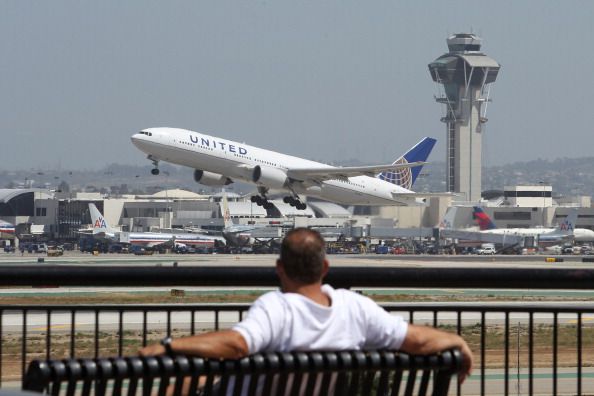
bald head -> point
(302, 255)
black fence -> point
(348, 277)
(527, 348)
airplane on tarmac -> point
(6, 228)
(236, 234)
(219, 162)
(101, 229)
(564, 230)
(447, 230)
(487, 231)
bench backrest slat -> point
(340, 373)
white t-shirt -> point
(282, 322)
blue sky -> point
(326, 80)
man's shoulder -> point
(270, 298)
(345, 295)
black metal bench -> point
(307, 373)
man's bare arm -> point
(225, 344)
(423, 340)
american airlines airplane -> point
(219, 162)
(6, 228)
(101, 229)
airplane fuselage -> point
(237, 161)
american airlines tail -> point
(447, 222)
(483, 219)
(406, 177)
(226, 213)
(100, 225)
(567, 226)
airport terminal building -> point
(52, 216)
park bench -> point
(305, 373)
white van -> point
(40, 248)
(487, 248)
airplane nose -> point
(137, 139)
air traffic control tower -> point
(463, 76)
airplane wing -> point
(342, 173)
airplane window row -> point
(192, 145)
(265, 162)
(146, 133)
(242, 156)
(351, 183)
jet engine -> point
(211, 179)
(269, 177)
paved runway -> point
(372, 260)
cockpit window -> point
(146, 133)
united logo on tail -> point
(406, 177)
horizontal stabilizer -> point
(343, 172)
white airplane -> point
(101, 229)
(219, 162)
(447, 230)
(6, 228)
(236, 234)
(564, 230)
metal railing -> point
(528, 348)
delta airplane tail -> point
(483, 219)
(406, 177)
(100, 225)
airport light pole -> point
(542, 185)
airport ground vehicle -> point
(54, 251)
(486, 249)
(33, 247)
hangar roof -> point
(178, 194)
(6, 194)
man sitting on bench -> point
(306, 315)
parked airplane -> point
(447, 230)
(236, 234)
(101, 229)
(219, 162)
(6, 228)
(564, 230)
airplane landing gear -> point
(296, 202)
(262, 201)
(155, 170)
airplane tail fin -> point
(100, 225)
(483, 219)
(448, 219)
(406, 177)
(567, 226)
(226, 213)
